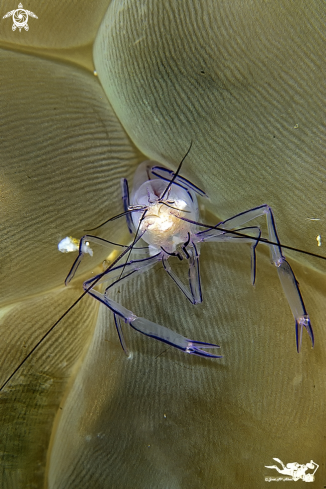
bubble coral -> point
(245, 81)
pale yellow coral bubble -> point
(62, 155)
(60, 24)
(63, 30)
(244, 81)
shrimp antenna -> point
(114, 218)
(262, 240)
(175, 208)
(176, 173)
(138, 210)
(134, 241)
(66, 312)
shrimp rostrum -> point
(162, 213)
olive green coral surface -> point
(245, 82)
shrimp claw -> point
(172, 338)
(196, 350)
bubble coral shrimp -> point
(162, 211)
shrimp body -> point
(162, 223)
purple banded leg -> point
(294, 297)
(285, 272)
(140, 324)
(288, 281)
(194, 275)
(194, 294)
(171, 338)
(126, 202)
(120, 334)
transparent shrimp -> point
(162, 211)
(155, 212)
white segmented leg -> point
(120, 334)
(293, 295)
(285, 272)
(129, 268)
(140, 324)
(194, 294)
(165, 335)
(289, 283)
(194, 275)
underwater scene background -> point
(245, 82)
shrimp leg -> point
(285, 272)
(194, 294)
(140, 324)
